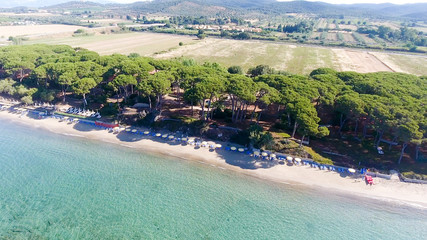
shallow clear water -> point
(61, 187)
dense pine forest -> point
(374, 109)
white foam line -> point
(73, 135)
(128, 146)
(398, 202)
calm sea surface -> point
(62, 187)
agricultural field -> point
(351, 27)
(37, 30)
(391, 25)
(414, 64)
(358, 61)
(291, 58)
(332, 36)
(251, 53)
(348, 37)
(332, 25)
(125, 43)
(30, 14)
(322, 23)
(367, 39)
(315, 35)
(288, 57)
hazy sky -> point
(367, 1)
(39, 3)
(328, 1)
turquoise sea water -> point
(61, 187)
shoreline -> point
(391, 191)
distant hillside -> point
(212, 7)
(38, 3)
(79, 5)
(244, 7)
(75, 4)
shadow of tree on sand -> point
(245, 161)
(83, 127)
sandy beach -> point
(392, 191)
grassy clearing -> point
(295, 59)
(287, 57)
(305, 59)
(348, 37)
(358, 38)
(324, 35)
(411, 64)
(340, 37)
(368, 40)
(331, 37)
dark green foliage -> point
(260, 70)
(254, 136)
(403, 34)
(323, 71)
(389, 105)
(259, 138)
(301, 27)
(110, 110)
(235, 70)
(242, 36)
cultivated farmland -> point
(124, 43)
(287, 57)
(292, 58)
(37, 30)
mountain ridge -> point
(215, 7)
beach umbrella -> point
(184, 139)
(241, 149)
(218, 146)
(134, 130)
(127, 130)
(289, 159)
(233, 148)
(256, 153)
(264, 154)
(164, 136)
(146, 132)
(272, 155)
(116, 129)
(158, 134)
(297, 159)
(204, 143)
(351, 170)
(122, 129)
(171, 137)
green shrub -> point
(283, 134)
(413, 175)
(317, 157)
(109, 110)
